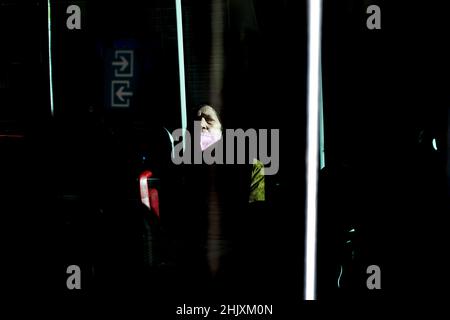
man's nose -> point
(204, 123)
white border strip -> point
(181, 68)
(312, 149)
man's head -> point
(211, 127)
(209, 119)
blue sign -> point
(120, 76)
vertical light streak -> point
(49, 19)
(181, 68)
(312, 149)
(321, 124)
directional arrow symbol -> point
(123, 63)
(120, 93)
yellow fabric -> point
(257, 185)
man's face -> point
(209, 120)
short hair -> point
(202, 105)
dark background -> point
(83, 162)
(384, 101)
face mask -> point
(209, 138)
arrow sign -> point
(123, 63)
(120, 93)
(120, 76)
(124, 59)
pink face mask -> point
(209, 138)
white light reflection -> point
(314, 38)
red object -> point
(149, 196)
(154, 200)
